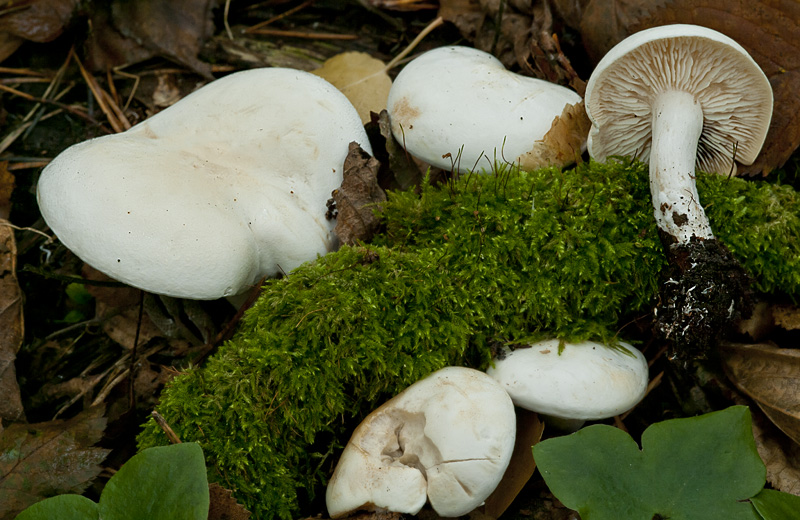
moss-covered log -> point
(487, 259)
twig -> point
(173, 438)
(290, 12)
(430, 27)
(305, 34)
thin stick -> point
(304, 34)
(173, 438)
(430, 27)
(225, 19)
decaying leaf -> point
(37, 20)
(521, 467)
(563, 144)
(768, 30)
(780, 454)
(128, 32)
(223, 506)
(360, 77)
(358, 197)
(404, 169)
(771, 377)
(786, 316)
(46, 459)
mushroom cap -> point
(584, 381)
(454, 99)
(735, 95)
(447, 438)
(205, 198)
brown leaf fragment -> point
(563, 144)
(781, 456)
(786, 316)
(37, 20)
(358, 197)
(223, 506)
(11, 318)
(46, 459)
(361, 78)
(128, 32)
(521, 467)
(771, 377)
(768, 29)
(405, 170)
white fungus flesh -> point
(446, 439)
(573, 381)
(683, 98)
(459, 108)
(205, 198)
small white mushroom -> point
(574, 381)
(447, 438)
(682, 97)
(205, 198)
(455, 105)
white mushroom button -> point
(446, 439)
(574, 381)
(681, 97)
(205, 198)
(458, 106)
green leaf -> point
(164, 483)
(701, 467)
(63, 507)
(774, 505)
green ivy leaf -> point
(774, 505)
(163, 483)
(701, 467)
(63, 507)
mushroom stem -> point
(676, 127)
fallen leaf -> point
(769, 30)
(37, 20)
(521, 467)
(46, 459)
(358, 197)
(771, 377)
(780, 454)
(563, 144)
(404, 170)
(126, 32)
(360, 77)
(223, 506)
(786, 316)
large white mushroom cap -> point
(583, 381)
(208, 196)
(463, 102)
(733, 92)
(447, 438)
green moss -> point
(490, 258)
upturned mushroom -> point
(681, 97)
(446, 439)
(458, 107)
(205, 198)
(572, 382)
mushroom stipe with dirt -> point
(684, 97)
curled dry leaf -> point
(563, 144)
(521, 467)
(768, 30)
(770, 376)
(358, 197)
(46, 459)
(361, 78)
(37, 20)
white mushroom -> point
(208, 196)
(573, 381)
(447, 438)
(460, 106)
(680, 96)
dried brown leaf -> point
(405, 170)
(521, 467)
(780, 454)
(768, 29)
(38, 20)
(127, 32)
(786, 316)
(360, 77)
(45, 459)
(358, 198)
(223, 506)
(771, 377)
(563, 143)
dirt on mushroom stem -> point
(703, 292)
